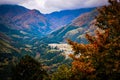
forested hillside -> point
(74, 30)
(79, 44)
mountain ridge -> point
(21, 18)
(62, 18)
(22, 33)
(75, 30)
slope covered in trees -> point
(75, 30)
(98, 60)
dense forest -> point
(97, 59)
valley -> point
(41, 36)
(59, 40)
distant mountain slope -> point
(21, 31)
(59, 19)
(10, 11)
(75, 30)
(22, 28)
(32, 21)
(19, 18)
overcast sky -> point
(48, 6)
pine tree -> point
(100, 59)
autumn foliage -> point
(100, 59)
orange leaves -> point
(91, 39)
(92, 48)
(77, 48)
(99, 40)
(73, 57)
(110, 22)
(101, 37)
(82, 67)
(101, 56)
(85, 49)
(88, 53)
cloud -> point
(73, 4)
(11, 1)
(48, 6)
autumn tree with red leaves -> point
(100, 59)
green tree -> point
(29, 69)
(63, 73)
(100, 59)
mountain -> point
(19, 18)
(21, 29)
(60, 19)
(9, 11)
(74, 30)
(22, 32)
(32, 21)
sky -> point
(48, 6)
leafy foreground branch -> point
(100, 59)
